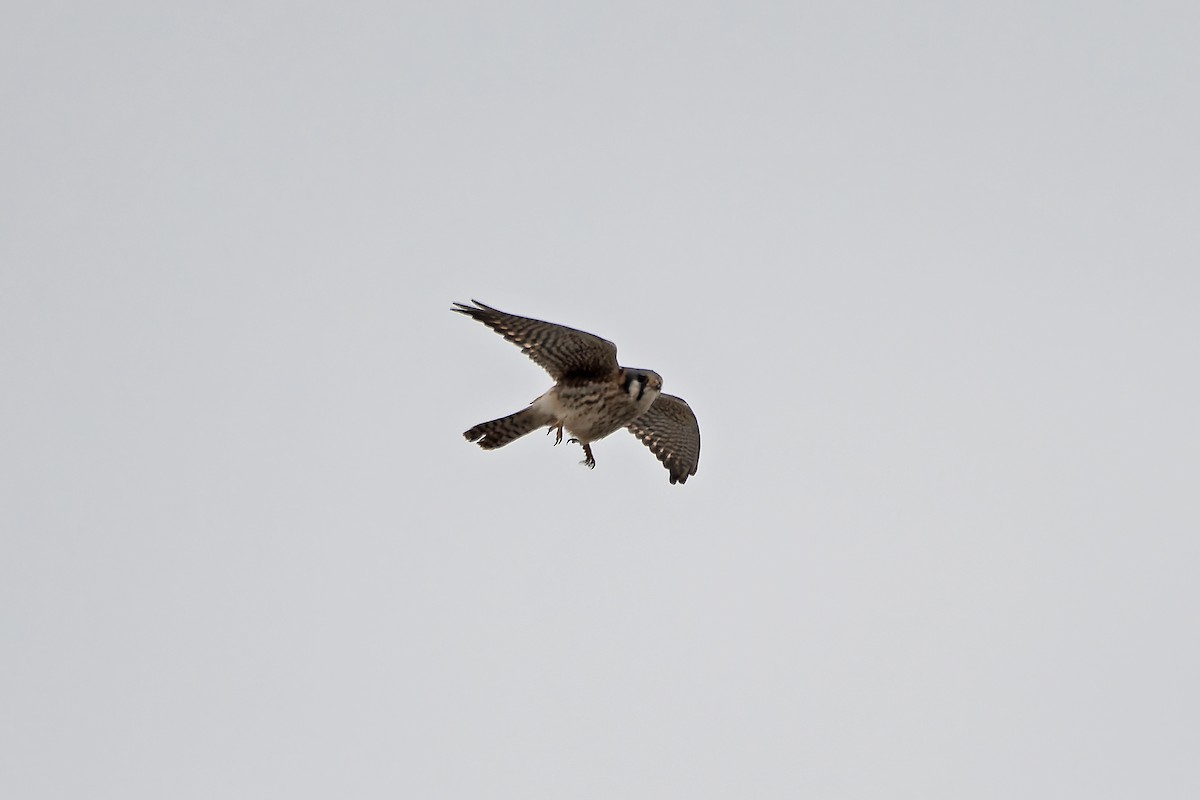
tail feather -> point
(500, 432)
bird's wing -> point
(670, 430)
(560, 350)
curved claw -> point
(589, 460)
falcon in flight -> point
(592, 395)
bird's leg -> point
(589, 460)
(559, 428)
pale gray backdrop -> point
(929, 274)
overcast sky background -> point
(928, 273)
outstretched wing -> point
(561, 351)
(670, 430)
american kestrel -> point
(592, 396)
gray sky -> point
(927, 273)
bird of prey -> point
(592, 395)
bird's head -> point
(643, 385)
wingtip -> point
(463, 308)
(681, 477)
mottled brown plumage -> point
(561, 351)
(670, 430)
(592, 397)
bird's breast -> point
(591, 411)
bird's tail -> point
(500, 432)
